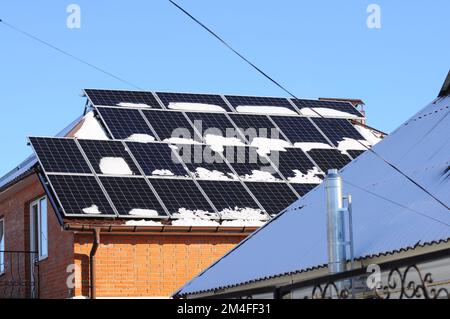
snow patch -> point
(243, 223)
(306, 147)
(259, 176)
(217, 142)
(93, 210)
(91, 129)
(269, 110)
(143, 212)
(184, 213)
(128, 104)
(180, 140)
(309, 178)
(143, 222)
(352, 144)
(312, 112)
(369, 135)
(162, 172)
(194, 222)
(243, 214)
(266, 145)
(140, 138)
(204, 173)
(195, 107)
(114, 166)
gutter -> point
(95, 244)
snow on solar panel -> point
(59, 155)
(344, 109)
(261, 105)
(296, 167)
(303, 189)
(298, 129)
(329, 159)
(109, 157)
(274, 197)
(126, 123)
(192, 102)
(80, 196)
(157, 159)
(171, 124)
(255, 126)
(340, 132)
(182, 197)
(122, 98)
(132, 197)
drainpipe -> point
(335, 223)
(95, 245)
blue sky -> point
(320, 48)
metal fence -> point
(19, 274)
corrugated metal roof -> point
(390, 212)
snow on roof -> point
(90, 129)
(217, 142)
(306, 147)
(326, 112)
(269, 110)
(140, 138)
(369, 135)
(311, 177)
(202, 107)
(128, 104)
(267, 145)
(389, 212)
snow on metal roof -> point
(390, 212)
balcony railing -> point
(19, 274)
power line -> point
(35, 38)
(291, 94)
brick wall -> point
(147, 265)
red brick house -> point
(47, 252)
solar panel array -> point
(162, 162)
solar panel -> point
(212, 99)
(355, 153)
(80, 196)
(123, 123)
(329, 159)
(255, 126)
(337, 129)
(169, 124)
(179, 194)
(213, 123)
(303, 189)
(104, 154)
(249, 165)
(335, 105)
(122, 98)
(156, 159)
(59, 155)
(274, 197)
(237, 101)
(299, 129)
(293, 163)
(228, 195)
(132, 197)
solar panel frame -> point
(355, 153)
(303, 189)
(289, 126)
(334, 105)
(99, 97)
(123, 122)
(337, 129)
(241, 100)
(213, 99)
(293, 159)
(244, 123)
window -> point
(2, 246)
(39, 228)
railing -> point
(19, 274)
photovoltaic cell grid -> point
(355, 153)
(212, 99)
(179, 194)
(329, 159)
(78, 193)
(255, 126)
(299, 129)
(274, 197)
(156, 159)
(214, 124)
(124, 123)
(335, 105)
(290, 161)
(132, 195)
(96, 151)
(169, 124)
(337, 129)
(115, 98)
(259, 101)
(59, 155)
(303, 189)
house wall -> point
(15, 209)
(146, 265)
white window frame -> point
(2, 247)
(41, 217)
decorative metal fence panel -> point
(19, 274)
